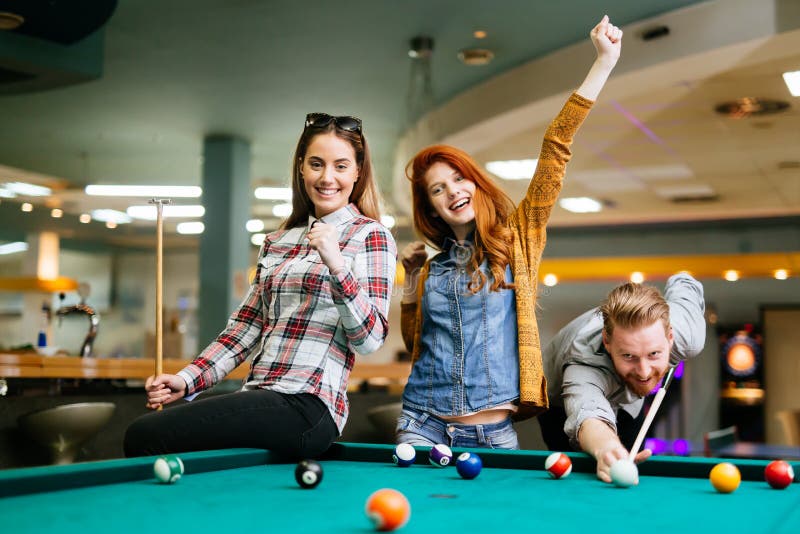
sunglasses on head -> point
(344, 122)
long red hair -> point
(493, 238)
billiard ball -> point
(624, 473)
(404, 455)
(440, 455)
(308, 474)
(779, 474)
(168, 469)
(388, 509)
(725, 477)
(469, 465)
(558, 465)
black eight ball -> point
(308, 474)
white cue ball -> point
(624, 473)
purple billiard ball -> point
(469, 465)
(404, 455)
(440, 455)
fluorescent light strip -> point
(165, 191)
(13, 248)
(114, 216)
(191, 228)
(28, 190)
(792, 80)
(282, 210)
(580, 205)
(5, 193)
(519, 169)
(273, 193)
(149, 212)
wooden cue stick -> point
(159, 285)
(654, 406)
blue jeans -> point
(426, 430)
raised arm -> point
(607, 41)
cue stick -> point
(159, 284)
(656, 404)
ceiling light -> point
(388, 221)
(550, 280)
(637, 277)
(191, 228)
(254, 225)
(257, 239)
(111, 225)
(282, 210)
(580, 204)
(150, 212)
(28, 190)
(421, 47)
(115, 216)
(792, 80)
(5, 193)
(85, 218)
(13, 248)
(475, 57)
(747, 106)
(781, 274)
(517, 169)
(273, 193)
(731, 276)
(479, 34)
(27, 207)
(10, 21)
(161, 191)
(56, 213)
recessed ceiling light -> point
(56, 213)
(388, 221)
(792, 80)
(27, 207)
(580, 204)
(163, 191)
(479, 34)
(514, 169)
(781, 274)
(254, 225)
(257, 239)
(10, 21)
(637, 277)
(748, 106)
(550, 280)
(475, 57)
(731, 276)
(85, 218)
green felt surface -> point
(265, 498)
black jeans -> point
(294, 425)
(552, 424)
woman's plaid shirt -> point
(302, 324)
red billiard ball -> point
(558, 465)
(388, 509)
(779, 474)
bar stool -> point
(63, 429)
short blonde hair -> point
(633, 306)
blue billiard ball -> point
(469, 465)
(404, 455)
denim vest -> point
(468, 356)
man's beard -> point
(644, 389)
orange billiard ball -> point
(388, 509)
(725, 477)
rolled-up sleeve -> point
(687, 309)
(584, 392)
(362, 294)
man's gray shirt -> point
(580, 374)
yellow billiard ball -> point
(725, 477)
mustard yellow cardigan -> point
(528, 224)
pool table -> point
(241, 490)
